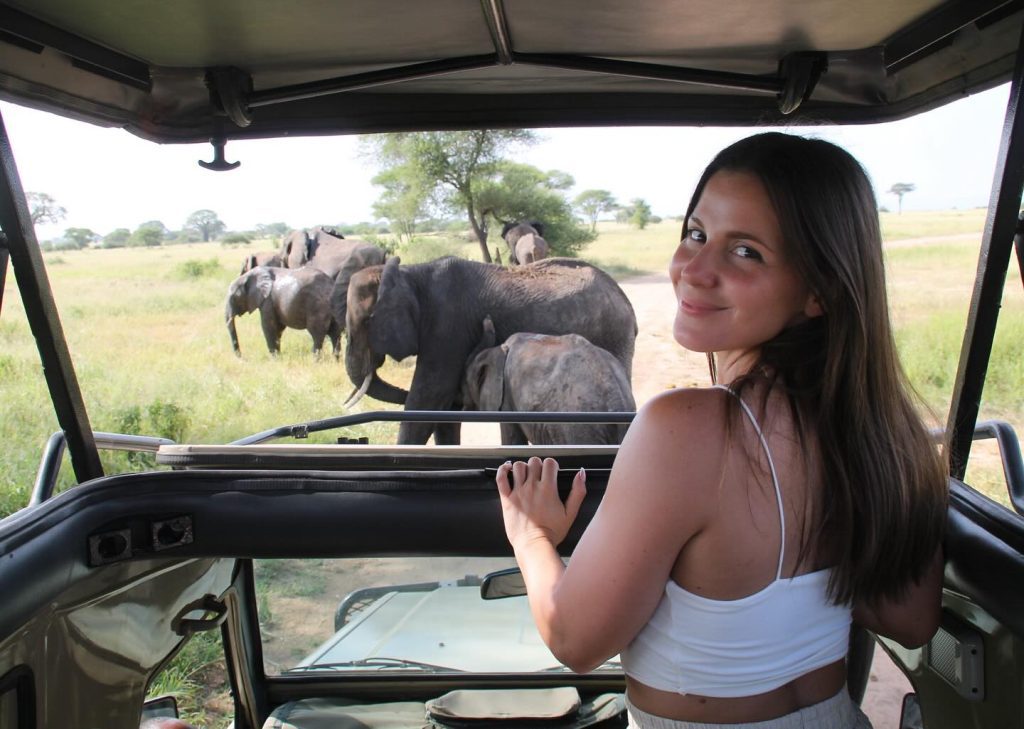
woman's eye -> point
(697, 236)
(744, 251)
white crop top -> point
(744, 647)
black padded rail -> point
(258, 514)
(275, 514)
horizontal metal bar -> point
(369, 79)
(49, 466)
(301, 430)
(635, 69)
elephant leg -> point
(512, 434)
(335, 335)
(447, 433)
(271, 331)
(318, 341)
(435, 386)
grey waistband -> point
(839, 712)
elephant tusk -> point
(357, 395)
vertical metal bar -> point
(1018, 244)
(43, 319)
(4, 255)
(993, 263)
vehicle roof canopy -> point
(191, 70)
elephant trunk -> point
(229, 315)
(361, 363)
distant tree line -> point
(436, 182)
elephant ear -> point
(491, 378)
(485, 379)
(259, 286)
(394, 326)
(538, 226)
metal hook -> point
(219, 164)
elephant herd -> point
(553, 334)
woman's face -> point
(734, 284)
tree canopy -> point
(205, 223)
(899, 190)
(594, 202)
(43, 208)
(81, 237)
(637, 213)
(469, 172)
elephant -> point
(544, 372)
(262, 258)
(339, 257)
(525, 242)
(327, 250)
(299, 299)
(434, 310)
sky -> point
(108, 178)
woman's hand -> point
(530, 503)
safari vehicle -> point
(105, 582)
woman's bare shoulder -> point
(679, 429)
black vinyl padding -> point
(275, 514)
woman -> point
(745, 525)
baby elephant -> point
(542, 372)
(298, 298)
(525, 242)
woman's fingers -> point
(576, 495)
(504, 487)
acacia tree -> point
(205, 223)
(899, 190)
(594, 202)
(523, 192)
(81, 237)
(637, 213)
(405, 200)
(44, 209)
(455, 165)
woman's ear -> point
(813, 307)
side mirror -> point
(503, 583)
(162, 707)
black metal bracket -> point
(219, 163)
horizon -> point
(307, 181)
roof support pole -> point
(41, 311)
(993, 262)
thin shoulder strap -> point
(775, 477)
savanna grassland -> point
(146, 331)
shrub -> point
(193, 268)
(235, 239)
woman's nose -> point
(695, 268)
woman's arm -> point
(589, 611)
(912, 620)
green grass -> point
(146, 332)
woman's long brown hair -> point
(882, 508)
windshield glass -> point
(420, 615)
(141, 246)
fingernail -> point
(583, 474)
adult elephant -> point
(434, 311)
(545, 372)
(299, 299)
(525, 242)
(327, 250)
(262, 258)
